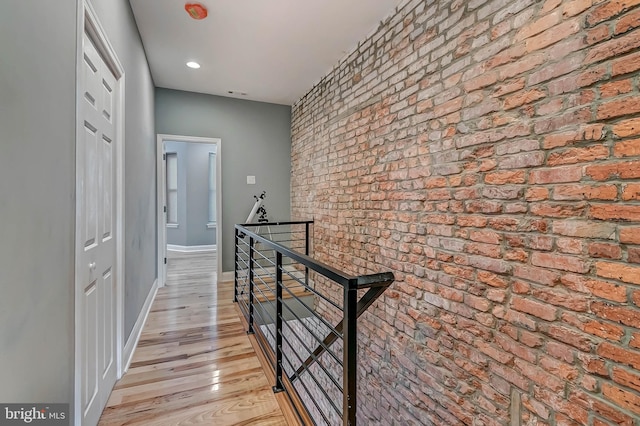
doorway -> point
(189, 201)
(99, 253)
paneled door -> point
(97, 212)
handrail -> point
(251, 277)
(346, 280)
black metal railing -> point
(304, 315)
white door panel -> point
(97, 260)
(90, 373)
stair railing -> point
(304, 315)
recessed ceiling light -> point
(193, 65)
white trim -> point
(87, 21)
(173, 225)
(134, 337)
(161, 220)
(162, 228)
(227, 276)
(191, 249)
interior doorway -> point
(99, 233)
(189, 201)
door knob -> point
(92, 265)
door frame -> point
(87, 19)
(162, 218)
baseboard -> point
(134, 337)
(228, 276)
(190, 249)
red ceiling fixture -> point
(196, 11)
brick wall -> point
(488, 153)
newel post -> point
(350, 353)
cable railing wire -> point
(296, 322)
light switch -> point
(251, 180)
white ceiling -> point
(273, 50)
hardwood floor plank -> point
(256, 408)
(194, 363)
(183, 370)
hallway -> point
(194, 363)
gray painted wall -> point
(140, 154)
(37, 206)
(37, 189)
(256, 140)
(193, 195)
(198, 195)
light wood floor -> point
(194, 363)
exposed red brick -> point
(628, 22)
(605, 250)
(609, 212)
(570, 245)
(575, 7)
(522, 98)
(635, 341)
(484, 80)
(615, 88)
(549, 5)
(618, 271)
(584, 229)
(626, 378)
(631, 192)
(585, 192)
(611, 413)
(585, 133)
(537, 275)
(486, 236)
(537, 194)
(517, 255)
(619, 107)
(607, 290)
(593, 364)
(625, 128)
(627, 64)
(538, 26)
(598, 34)
(555, 261)
(472, 221)
(491, 279)
(622, 398)
(558, 368)
(489, 158)
(515, 67)
(556, 175)
(578, 155)
(553, 35)
(630, 235)
(505, 177)
(557, 210)
(565, 119)
(628, 148)
(621, 170)
(560, 297)
(609, 9)
(569, 336)
(538, 375)
(534, 308)
(540, 242)
(604, 330)
(621, 315)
